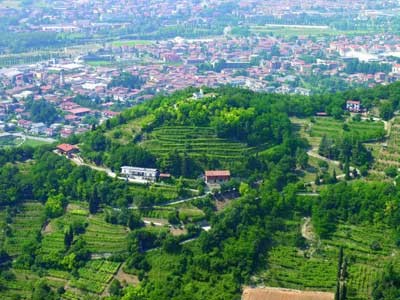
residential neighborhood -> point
(82, 94)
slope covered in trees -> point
(60, 221)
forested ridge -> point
(252, 135)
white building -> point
(37, 128)
(140, 173)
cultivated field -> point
(283, 294)
(388, 154)
(316, 268)
(195, 141)
(362, 130)
(24, 227)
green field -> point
(186, 212)
(34, 143)
(363, 130)
(195, 141)
(287, 31)
(101, 63)
(131, 43)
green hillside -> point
(72, 229)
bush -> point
(391, 172)
(376, 246)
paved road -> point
(79, 161)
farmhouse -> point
(353, 106)
(67, 149)
(217, 176)
(140, 173)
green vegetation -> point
(195, 142)
(361, 130)
(388, 154)
(78, 216)
(41, 111)
(131, 43)
(127, 80)
(9, 141)
(24, 227)
(303, 31)
(312, 267)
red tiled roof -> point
(218, 173)
(79, 110)
(353, 101)
(66, 147)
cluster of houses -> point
(153, 175)
(267, 64)
(148, 174)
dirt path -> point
(125, 277)
(307, 230)
(47, 228)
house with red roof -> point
(67, 149)
(353, 106)
(217, 176)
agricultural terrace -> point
(100, 236)
(366, 249)
(195, 141)
(53, 233)
(26, 224)
(20, 287)
(185, 212)
(388, 155)
(95, 276)
(362, 130)
(313, 130)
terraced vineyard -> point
(25, 226)
(103, 237)
(196, 141)
(289, 268)
(388, 155)
(365, 263)
(363, 130)
(95, 276)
